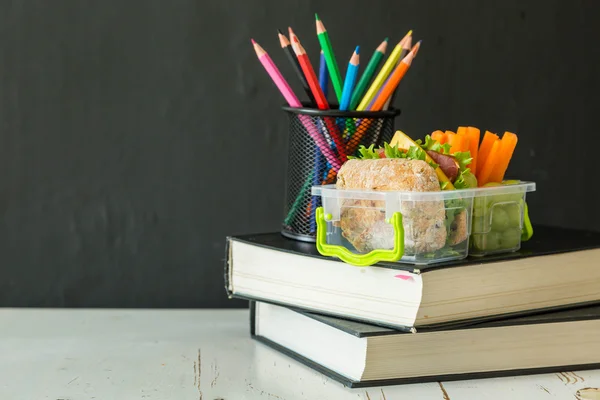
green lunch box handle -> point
(359, 260)
(527, 231)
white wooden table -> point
(201, 355)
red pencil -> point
(309, 73)
(315, 87)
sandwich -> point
(412, 166)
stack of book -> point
(535, 310)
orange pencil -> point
(322, 104)
(395, 78)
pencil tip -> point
(409, 33)
(386, 39)
(357, 51)
(316, 16)
(252, 40)
(279, 30)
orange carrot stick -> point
(473, 134)
(507, 148)
(439, 136)
(449, 137)
(462, 131)
(484, 150)
(457, 143)
(490, 163)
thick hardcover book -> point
(362, 355)
(556, 269)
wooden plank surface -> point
(201, 355)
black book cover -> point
(545, 241)
(364, 330)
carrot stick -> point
(507, 148)
(473, 134)
(449, 137)
(462, 131)
(490, 163)
(439, 136)
(457, 143)
(484, 150)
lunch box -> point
(500, 218)
(364, 227)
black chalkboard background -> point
(136, 135)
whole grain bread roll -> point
(363, 221)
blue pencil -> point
(350, 81)
(319, 159)
(323, 77)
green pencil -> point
(334, 71)
(361, 86)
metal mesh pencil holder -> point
(319, 143)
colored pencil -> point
(323, 79)
(334, 71)
(289, 52)
(346, 124)
(395, 78)
(387, 68)
(310, 75)
(366, 77)
(350, 80)
(406, 44)
(406, 47)
(293, 101)
(320, 164)
(322, 103)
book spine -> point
(227, 274)
(252, 305)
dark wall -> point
(136, 135)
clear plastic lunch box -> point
(363, 227)
(500, 218)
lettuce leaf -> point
(366, 153)
(414, 153)
(433, 145)
(465, 180)
(463, 158)
(393, 152)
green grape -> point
(513, 212)
(492, 241)
(499, 219)
(511, 238)
(470, 180)
(502, 198)
(486, 242)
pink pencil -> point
(293, 101)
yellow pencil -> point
(387, 68)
